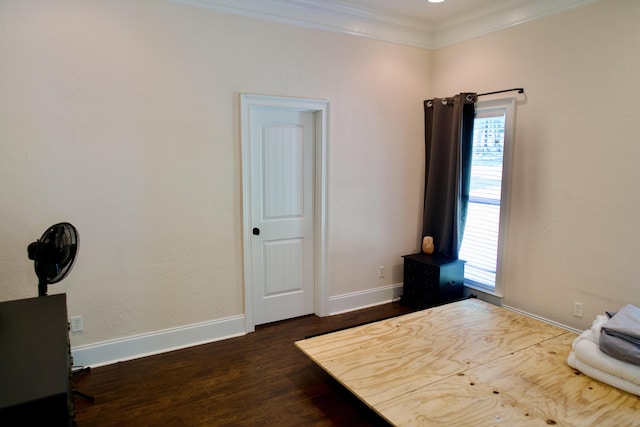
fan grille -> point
(54, 254)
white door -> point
(282, 145)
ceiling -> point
(410, 22)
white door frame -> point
(248, 103)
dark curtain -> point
(448, 147)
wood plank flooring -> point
(260, 379)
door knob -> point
(256, 231)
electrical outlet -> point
(577, 309)
(76, 324)
(381, 271)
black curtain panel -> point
(448, 147)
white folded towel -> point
(604, 377)
(596, 327)
(588, 352)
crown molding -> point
(499, 17)
(327, 15)
(339, 17)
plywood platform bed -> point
(469, 363)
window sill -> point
(484, 289)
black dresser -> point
(35, 363)
(431, 280)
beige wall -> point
(123, 118)
(573, 227)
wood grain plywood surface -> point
(395, 356)
(468, 363)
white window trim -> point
(508, 105)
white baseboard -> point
(363, 299)
(129, 348)
(119, 350)
(543, 319)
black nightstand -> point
(431, 280)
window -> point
(484, 233)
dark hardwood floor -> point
(260, 379)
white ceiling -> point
(410, 22)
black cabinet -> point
(431, 280)
(35, 363)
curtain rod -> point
(518, 89)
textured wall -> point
(123, 118)
(573, 224)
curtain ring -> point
(430, 103)
(444, 101)
(470, 98)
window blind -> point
(480, 240)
